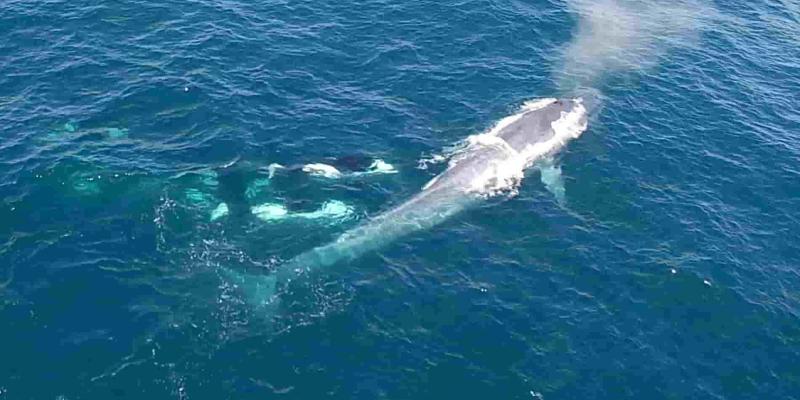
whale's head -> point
(568, 106)
(544, 123)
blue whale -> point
(486, 165)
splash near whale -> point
(485, 165)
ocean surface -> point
(670, 269)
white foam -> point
(323, 170)
(381, 167)
(219, 212)
(538, 104)
(424, 162)
(334, 210)
(501, 176)
(378, 167)
(269, 211)
(504, 176)
(272, 168)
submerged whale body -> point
(487, 164)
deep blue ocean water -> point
(671, 272)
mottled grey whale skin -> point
(445, 195)
(536, 126)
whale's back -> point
(535, 126)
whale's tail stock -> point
(264, 290)
(259, 290)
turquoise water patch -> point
(116, 133)
(209, 178)
(199, 198)
(85, 183)
(553, 180)
(61, 132)
(256, 188)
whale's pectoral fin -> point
(257, 290)
(552, 179)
